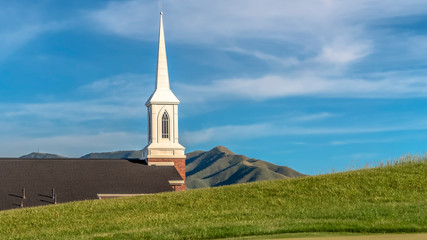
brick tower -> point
(163, 147)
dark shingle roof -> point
(78, 179)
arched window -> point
(165, 125)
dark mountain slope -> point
(220, 166)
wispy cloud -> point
(118, 97)
(62, 127)
(344, 50)
(225, 132)
(74, 111)
(129, 18)
(290, 61)
(12, 40)
(361, 141)
(202, 20)
(325, 39)
(312, 117)
(252, 131)
(59, 127)
(123, 89)
(272, 86)
(21, 23)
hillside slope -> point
(381, 200)
(220, 166)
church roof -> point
(78, 179)
(162, 92)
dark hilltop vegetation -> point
(41, 155)
(388, 199)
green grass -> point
(388, 199)
(302, 235)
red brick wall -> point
(180, 188)
(179, 165)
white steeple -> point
(162, 75)
(162, 113)
(162, 92)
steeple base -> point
(179, 164)
(172, 155)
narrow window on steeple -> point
(165, 125)
(149, 124)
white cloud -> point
(272, 86)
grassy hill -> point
(220, 166)
(388, 199)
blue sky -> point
(316, 85)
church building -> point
(161, 168)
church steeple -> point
(162, 75)
(162, 92)
(163, 147)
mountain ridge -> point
(216, 167)
(220, 166)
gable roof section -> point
(78, 179)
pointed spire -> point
(162, 93)
(162, 75)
